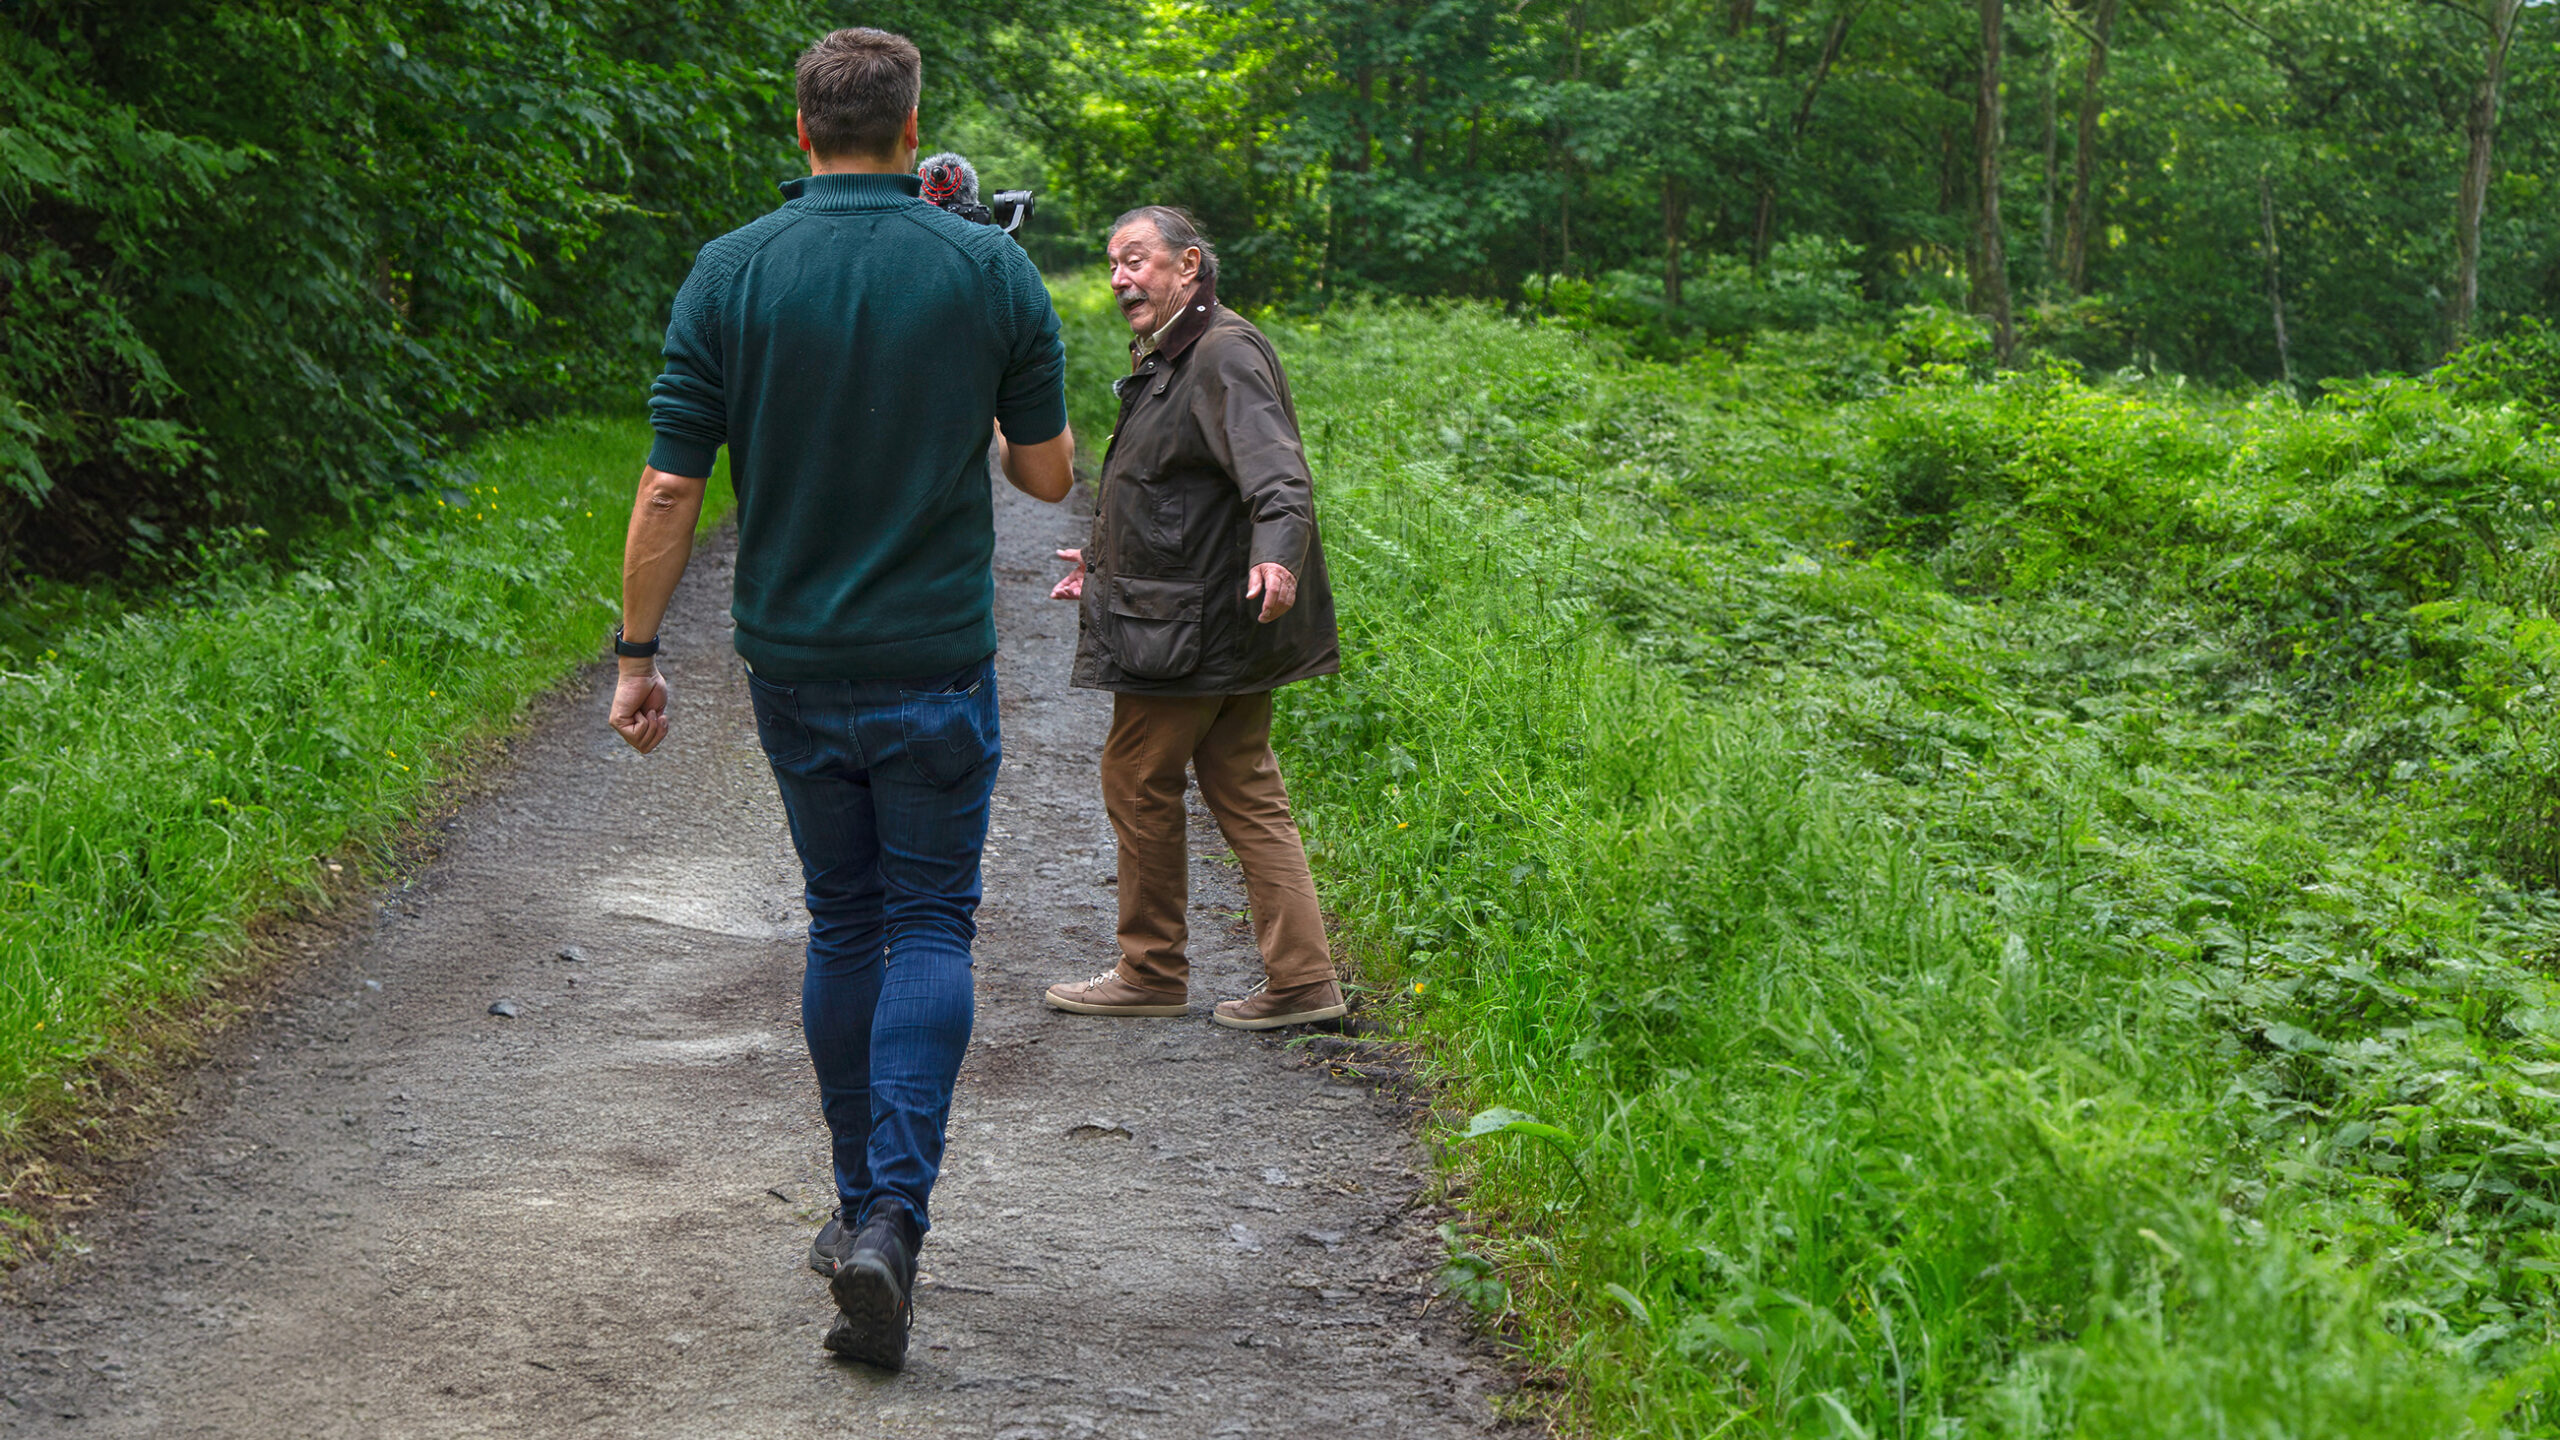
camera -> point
(951, 182)
(1010, 210)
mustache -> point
(1129, 296)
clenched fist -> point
(640, 708)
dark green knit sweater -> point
(850, 349)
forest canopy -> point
(260, 262)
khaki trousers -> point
(1226, 739)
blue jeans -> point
(886, 783)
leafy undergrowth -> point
(169, 776)
(2003, 907)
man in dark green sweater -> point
(852, 349)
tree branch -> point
(2063, 13)
(2467, 13)
(2277, 50)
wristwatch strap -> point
(633, 649)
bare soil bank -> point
(395, 1214)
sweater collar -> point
(851, 192)
(1197, 311)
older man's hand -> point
(1072, 587)
(1275, 587)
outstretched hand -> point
(1275, 586)
(1072, 587)
(640, 709)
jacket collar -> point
(847, 191)
(1197, 311)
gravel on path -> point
(399, 1210)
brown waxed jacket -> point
(1205, 479)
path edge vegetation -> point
(1759, 781)
(1664, 815)
(200, 790)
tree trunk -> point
(1675, 220)
(1362, 79)
(1832, 40)
(1764, 222)
(2049, 117)
(2275, 277)
(1421, 122)
(1738, 15)
(2481, 128)
(2084, 156)
(1990, 251)
(1564, 157)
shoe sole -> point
(1079, 1007)
(1274, 1022)
(873, 1326)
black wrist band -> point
(633, 649)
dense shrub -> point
(259, 263)
(2522, 366)
(2017, 1007)
(2322, 524)
(1807, 283)
(2033, 477)
(168, 775)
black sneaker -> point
(871, 1287)
(833, 1244)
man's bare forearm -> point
(657, 548)
(1046, 471)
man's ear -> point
(800, 123)
(907, 137)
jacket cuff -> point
(681, 455)
(1282, 543)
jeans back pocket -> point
(786, 741)
(951, 734)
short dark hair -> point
(856, 88)
(1179, 232)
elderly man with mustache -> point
(1203, 590)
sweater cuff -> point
(1037, 423)
(681, 455)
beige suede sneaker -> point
(1269, 1009)
(1109, 994)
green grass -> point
(1963, 906)
(169, 776)
(1097, 342)
(173, 771)
(2006, 949)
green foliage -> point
(2521, 366)
(2084, 998)
(2321, 526)
(1679, 147)
(1806, 284)
(169, 775)
(70, 333)
(262, 265)
(2031, 477)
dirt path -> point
(398, 1215)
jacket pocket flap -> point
(1143, 598)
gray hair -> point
(1179, 232)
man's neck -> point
(1148, 340)
(895, 163)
